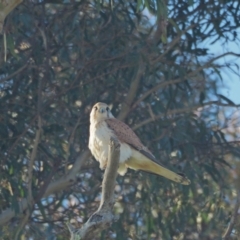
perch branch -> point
(103, 217)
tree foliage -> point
(152, 61)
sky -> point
(231, 82)
(232, 91)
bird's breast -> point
(99, 140)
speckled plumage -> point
(133, 154)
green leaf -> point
(212, 172)
(139, 5)
(11, 170)
(164, 38)
(162, 9)
(11, 46)
(171, 21)
(221, 160)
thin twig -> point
(182, 110)
(155, 88)
(172, 44)
(15, 73)
(179, 80)
(70, 142)
(22, 224)
(32, 158)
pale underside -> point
(98, 144)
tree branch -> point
(6, 8)
(155, 88)
(126, 106)
(170, 45)
(103, 217)
(179, 80)
(15, 73)
(183, 110)
(30, 198)
(233, 218)
(63, 183)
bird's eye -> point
(107, 108)
(95, 108)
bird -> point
(133, 154)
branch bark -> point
(6, 8)
(103, 217)
(233, 221)
(126, 105)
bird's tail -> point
(145, 164)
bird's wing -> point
(125, 134)
(142, 158)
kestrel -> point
(133, 154)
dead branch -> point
(103, 217)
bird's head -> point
(100, 112)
